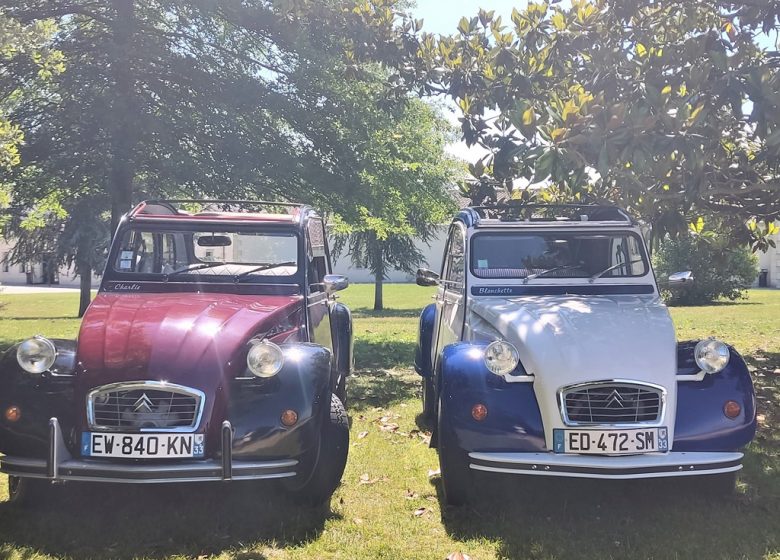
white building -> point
(769, 262)
(433, 259)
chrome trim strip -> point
(567, 388)
(650, 465)
(152, 385)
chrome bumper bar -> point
(650, 465)
(60, 465)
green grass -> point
(373, 513)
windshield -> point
(558, 255)
(182, 255)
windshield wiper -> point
(261, 268)
(190, 268)
(548, 271)
(613, 267)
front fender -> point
(341, 321)
(39, 397)
(422, 354)
(255, 405)
(513, 422)
(701, 424)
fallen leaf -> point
(432, 473)
(361, 435)
(358, 521)
(411, 495)
(458, 556)
(421, 511)
(388, 427)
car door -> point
(318, 301)
(451, 295)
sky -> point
(442, 17)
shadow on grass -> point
(130, 521)
(368, 313)
(370, 388)
(375, 354)
(537, 517)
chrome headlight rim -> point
(36, 362)
(501, 357)
(711, 355)
(264, 358)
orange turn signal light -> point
(289, 418)
(479, 412)
(732, 409)
(13, 413)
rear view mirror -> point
(214, 241)
(335, 282)
(680, 278)
(427, 277)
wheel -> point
(719, 485)
(326, 473)
(428, 400)
(23, 491)
(456, 476)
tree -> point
(721, 266)
(407, 173)
(181, 98)
(668, 108)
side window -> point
(169, 260)
(455, 265)
(317, 257)
(5, 262)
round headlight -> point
(264, 359)
(501, 357)
(711, 355)
(36, 354)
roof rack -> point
(171, 207)
(557, 213)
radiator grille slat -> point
(612, 403)
(144, 405)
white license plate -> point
(141, 446)
(611, 442)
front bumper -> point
(60, 465)
(651, 465)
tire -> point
(456, 479)
(328, 468)
(428, 400)
(27, 492)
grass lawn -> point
(388, 506)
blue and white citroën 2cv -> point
(548, 351)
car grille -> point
(612, 403)
(144, 406)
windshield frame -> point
(648, 269)
(297, 279)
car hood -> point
(564, 340)
(181, 338)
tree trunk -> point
(124, 133)
(85, 284)
(378, 266)
(378, 302)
